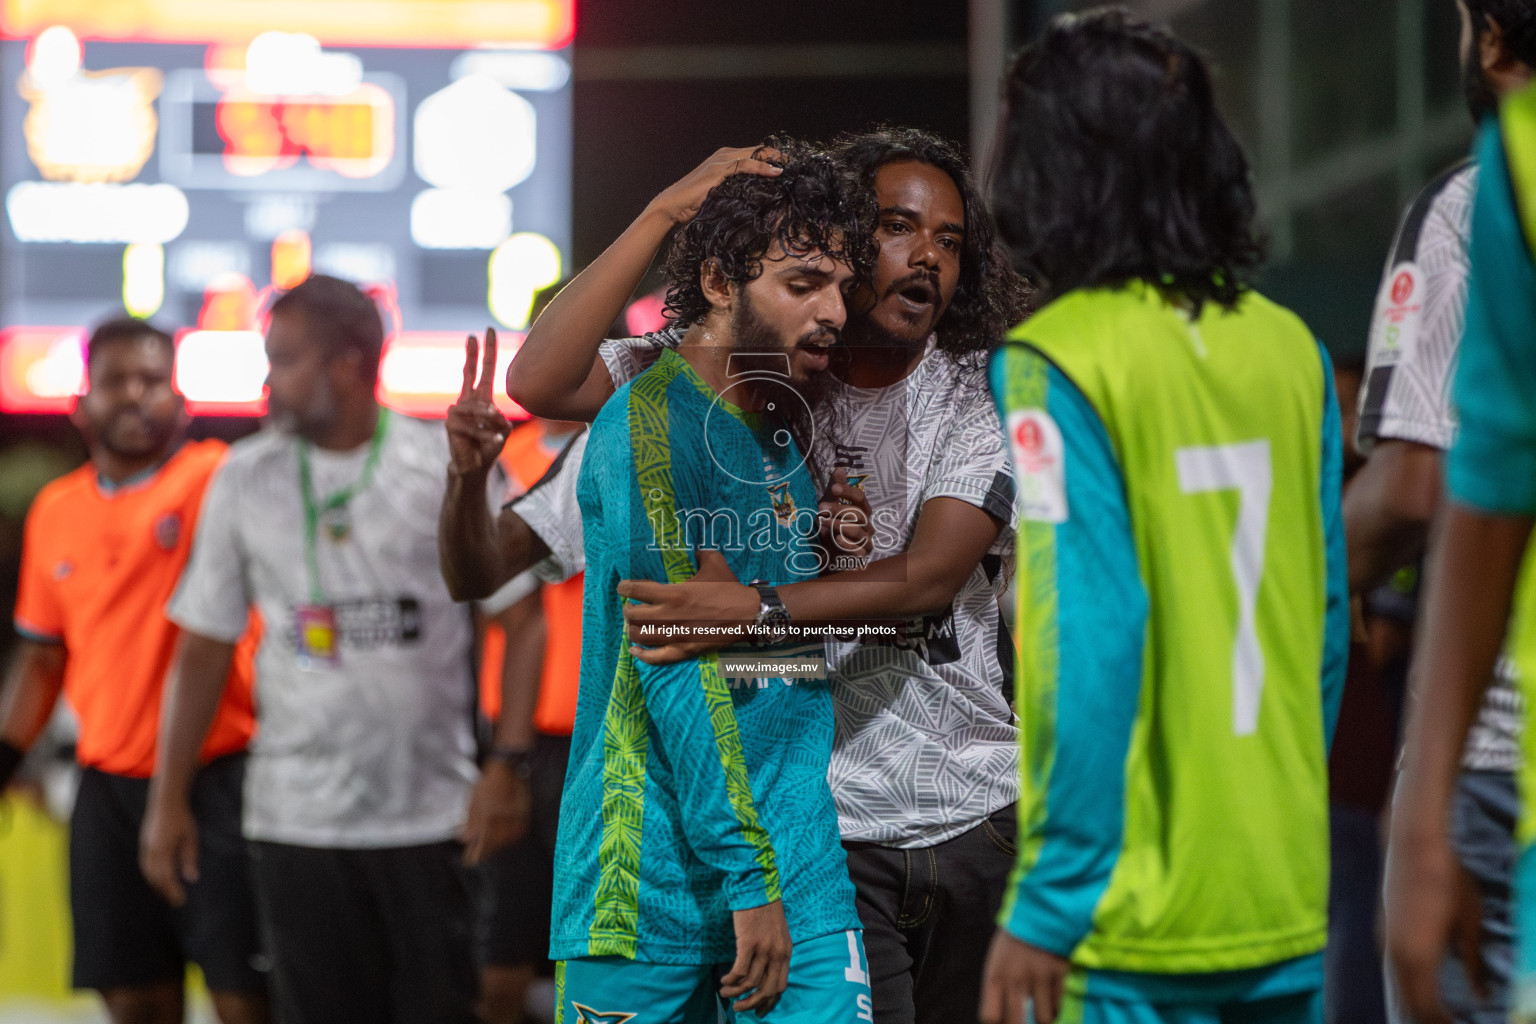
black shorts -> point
(126, 936)
(517, 884)
(367, 936)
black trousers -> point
(517, 883)
(126, 935)
(928, 916)
(367, 936)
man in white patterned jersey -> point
(925, 766)
(1406, 425)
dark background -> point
(1346, 110)
(641, 125)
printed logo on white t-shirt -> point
(1399, 314)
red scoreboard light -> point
(227, 137)
(42, 369)
(537, 24)
(224, 372)
(353, 135)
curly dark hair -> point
(991, 297)
(1114, 165)
(813, 206)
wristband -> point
(10, 759)
(520, 761)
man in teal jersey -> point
(1182, 617)
(697, 827)
(1477, 577)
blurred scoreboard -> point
(184, 159)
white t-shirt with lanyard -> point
(364, 684)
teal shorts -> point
(1296, 1008)
(1290, 992)
(1525, 936)
(828, 984)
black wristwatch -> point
(772, 620)
(520, 761)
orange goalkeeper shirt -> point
(99, 563)
(528, 453)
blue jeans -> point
(1483, 835)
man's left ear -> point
(719, 290)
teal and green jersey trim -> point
(614, 929)
(1082, 610)
(1035, 609)
(616, 908)
(1517, 123)
(651, 440)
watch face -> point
(774, 620)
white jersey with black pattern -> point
(1415, 334)
(1417, 323)
(552, 512)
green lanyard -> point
(313, 511)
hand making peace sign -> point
(476, 428)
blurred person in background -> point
(26, 467)
(1359, 779)
(1478, 573)
(1183, 607)
(537, 662)
(360, 779)
(533, 664)
(104, 547)
(1407, 422)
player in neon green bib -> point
(1182, 615)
